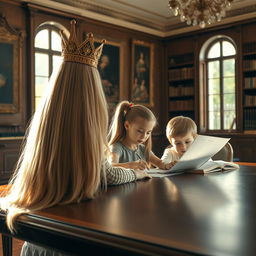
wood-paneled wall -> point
(27, 17)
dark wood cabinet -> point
(9, 154)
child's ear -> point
(126, 125)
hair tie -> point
(126, 111)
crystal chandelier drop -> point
(200, 12)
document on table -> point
(200, 151)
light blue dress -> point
(126, 154)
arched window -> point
(47, 55)
(219, 82)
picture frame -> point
(10, 66)
(142, 88)
(110, 66)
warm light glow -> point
(200, 12)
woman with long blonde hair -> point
(63, 160)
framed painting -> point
(110, 67)
(10, 65)
(142, 73)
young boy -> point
(181, 132)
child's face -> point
(139, 131)
(182, 143)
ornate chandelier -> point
(200, 12)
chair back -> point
(225, 154)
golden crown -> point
(85, 52)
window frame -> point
(204, 66)
(50, 52)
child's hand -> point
(139, 165)
(170, 165)
(140, 175)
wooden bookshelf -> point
(185, 51)
(181, 85)
(249, 87)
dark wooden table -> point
(186, 214)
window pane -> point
(229, 67)
(56, 62)
(42, 39)
(221, 85)
(214, 120)
(229, 85)
(228, 49)
(229, 101)
(41, 83)
(214, 86)
(214, 69)
(56, 41)
(229, 119)
(214, 103)
(214, 51)
(42, 64)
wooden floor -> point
(17, 244)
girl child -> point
(64, 159)
(181, 132)
(130, 137)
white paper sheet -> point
(200, 151)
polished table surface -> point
(212, 214)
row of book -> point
(250, 64)
(180, 73)
(250, 100)
(249, 82)
(181, 105)
(249, 47)
(250, 119)
(180, 90)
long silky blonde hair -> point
(62, 159)
(126, 111)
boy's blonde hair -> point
(180, 126)
(65, 147)
(127, 111)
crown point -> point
(84, 53)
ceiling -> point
(150, 16)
